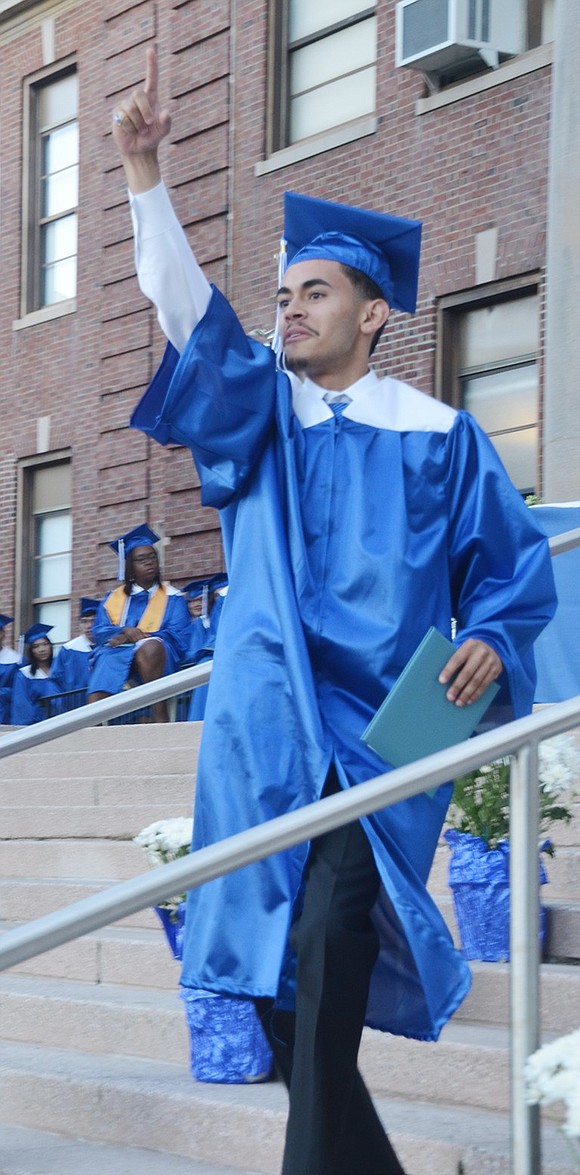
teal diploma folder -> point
(416, 719)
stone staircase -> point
(94, 1073)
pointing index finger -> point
(151, 76)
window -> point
(46, 546)
(322, 66)
(489, 366)
(51, 191)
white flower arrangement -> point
(552, 1075)
(480, 804)
(165, 841)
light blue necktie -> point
(337, 403)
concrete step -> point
(114, 821)
(488, 1000)
(72, 858)
(156, 1106)
(470, 1062)
(115, 954)
(34, 1152)
(162, 735)
(22, 899)
(86, 763)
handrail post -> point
(524, 953)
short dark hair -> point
(368, 291)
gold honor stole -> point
(152, 617)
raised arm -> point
(139, 126)
(167, 271)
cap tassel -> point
(282, 267)
(121, 559)
(204, 605)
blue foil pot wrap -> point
(173, 922)
(480, 883)
(228, 1044)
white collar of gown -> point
(380, 403)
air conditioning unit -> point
(451, 37)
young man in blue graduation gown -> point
(141, 627)
(205, 600)
(72, 665)
(348, 531)
(8, 667)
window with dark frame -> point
(51, 189)
(487, 363)
(322, 65)
(45, 512)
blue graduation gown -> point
(7, 675)
(72, 665)
(111, 665)
(26, 708)
(201, 648)
(343, 543)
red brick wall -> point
(477, 163)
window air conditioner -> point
(454, 37)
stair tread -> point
(34, 1152)
(479, 1130)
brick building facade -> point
(469, 159)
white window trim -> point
(514, 68)
(337, 136)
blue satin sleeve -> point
(217, 398)
(501, 573)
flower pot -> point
(479, 880)
(227, 1040)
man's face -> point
(320, 316)
(86, 624)
(145, 566)
(194, 607)
(2, 636)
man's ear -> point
(375, 316)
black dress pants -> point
(333, 1127)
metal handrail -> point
(95, 713)
(520, 739)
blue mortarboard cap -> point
(87, 606)
(4, 620)
(205, 588)
(212, 583)
(386, 248)
(140, 536)
(35, 632)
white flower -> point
(165, 841)
(558, 763)
(553, 1074)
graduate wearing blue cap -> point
(205, 600)
(8, 667)
(72, 664)
(35, 680)
(141, 627)
(356, 512)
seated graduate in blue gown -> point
(34, 680)
(205, 599)
(8, 667)
(141, 627)
(72, 665)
